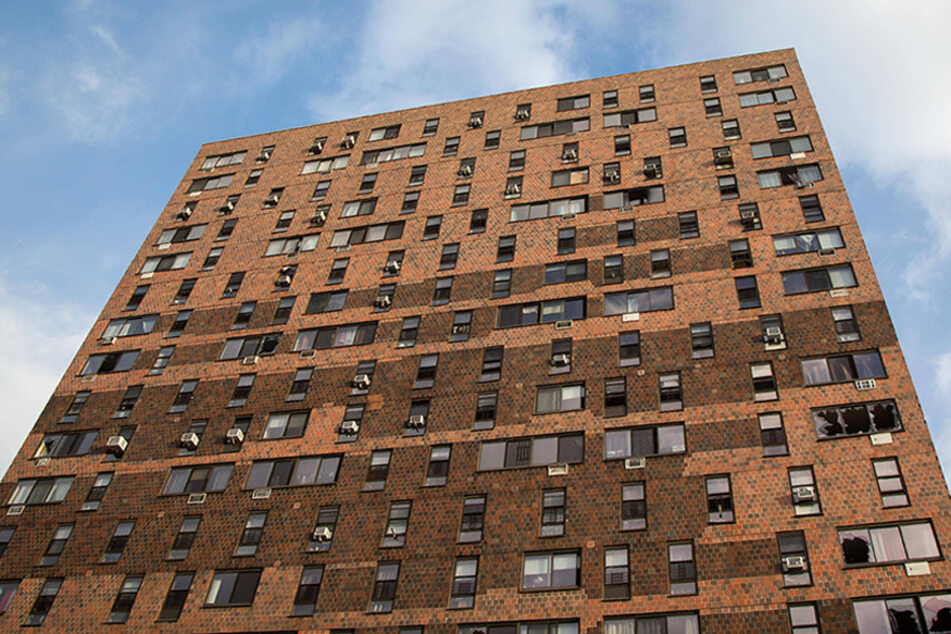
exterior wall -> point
(740, 585)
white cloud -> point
(270, 55)
(5, 80)
(410, 53)
(41, 335)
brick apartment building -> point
(604, 356)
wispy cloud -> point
(41, 335)
(268, 56)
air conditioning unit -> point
(322, 534)
(235, 436)
(348, 141)
(189, 440)
(612, 176)
(513, 190)
(522, 115)
(465, 170)
(865, 384)
(319, 218)
(627, 209)
(184, 214)
(460, 329)
(773, 335)
(361, 381)
(804, 495)
(392, 532)
(197, 498)
(308, 354)
(749, 217)
(563, 324)
(317, 147)
(250, 360)
(288, 269)
(558, 469)
(262, 493)
(416, 421)
(271, 200)
(227, 207)
(569, 155)
(16, 509)
(108, 341)
(384, 301)
(794, 564)
(723, 157)
(637, 462)
(264, 156)
(116, 445)
(350, 428)
(283, 281)
(652, 170)
(475, 122)
(560, 360)
(392, 266)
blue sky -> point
(103, 104)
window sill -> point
(880, 564)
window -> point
(352, 417)
(358, 207)
(684, 623)
(300, 384)
(891, 485)
(712, 107)
(449, 256)
(506, 249)
(430, 127)
(644, 301)
(394, 263)
(762, 97)
(805, 494)
(438, 468)
(408, 332)
(178, 326)
(782, 147)
(660, 263)
(251, 535)
(234, 588)
(366, 185)
(646, 93)
(200, 479)
(431, 230)
(644, 441)
(185, 392)
(613, 269)
(463, 583)
(461, 323)
(708, 83)
(492, 140)
(856, 419)
(6, 534)
(682, 568)
(749, 216)
(540, 312)
(559, 398)
(57, 543)
(622, 145)
(320, 191)
(243, 317)
(785, 121)
(43, 603)
(197, 427)
(846, 327)
(731, 129)
(286, 424)
(794, 559)
(323, 533)
(164, 263)
(617, 583)
(808, 241)
(397, 523)
(549, 209)
(728, 187)
(460, 195)
(442, 291)
(923, 613)
(293, 472)
(629, 348)
(265, 154)
(615, 397)
(811, 209)
(747, 293)
(677, 136)
(124, 600)
(137, 296)
(740, 254)
(562, 272)
(491, 364)
(771, 73)
(630, 117)
(336, 336)
(531, 452)
(719, 500)
(388, 132)
(338, 270)
(75, 406)
(384, 587)
(181, 234)
(69, 444)
(801, 176)
(843, 368)
(896, 543)
(245, 347)
(234, 283)
(689, 227)
(476, 119)
(372, 233)
(452, 146)
(284, 221)
(326, 302)
(176, 596)
(120, 537)
(184, 538)
(501, 283)
(565, 126)
(109, 363)
(551, 570)
(93, 499)
(426, 373)
(628, 199)
(553, 513)
(473, 517)
(214, 254)
(574, 103)
(206, 184)
(560, 361)
(221, 160)
(609, 99)
(773, 434)
(308, 588)
(625, 233)
(633, 507)
(818, 279)
(577, 176)
(486, 405)
(774, 335)
(379, 468)
(671, 392)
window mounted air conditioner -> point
(226, 208)
(271, 200)
(794, 564)
(319, 218)
(108, 341)
(465, 170)
(308, 354)
(350, 428)
(417, 421)
(773, 335)
(250, 360)
(460, 329)
(264, 157)
(749, 218)
(197, 498)
(513, 189)
(723, 157)
(383, 301)
(322, 534)
(522, 115)
(361, 381)
(317, 147)
(392, 532)
(184, 214)
(558, 469)
(612, 176)
(189, 440)
(475, 122)
(569, 155)
(348, 141)
(235, 436)
(865, 384)
(392, 266)
(637, 462)
(283, 281)
(652, 170)
(116, 445)
(804, 495)
(16, 509)
(262, 493)
(560, 360)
